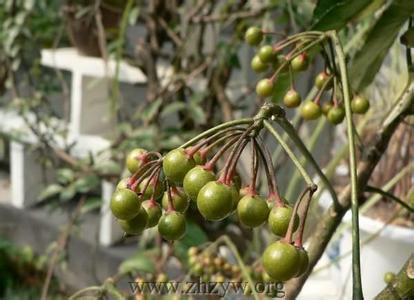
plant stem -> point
(356, 263)
(290, 230)
(373, 189)
(217, 129)
(290, 153)
(302, 217)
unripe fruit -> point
(264, 88)
(195, 179)
(179, 200)
(303, 262)
(321, 79)
(172, 226)
(125, 204)
(310, 110)
(215, 200)
(150, 188)
(266, 54)
(198, 159)
(197, 269)
(300, 62)
(278, 61)
(253, 36)
(326, 107)
(252, 210)
(135, 159)
(359, 105)
(122, 184)
(336, 115)
(192, 251)
(257, 65)
(235, 196)
(176, 164)
(280, 261)
(389, 277)
(279, 218)
(292, 99)
(162, 277)
(137, 224)
(153, 211)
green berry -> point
(264, 88)
(195, 179)
(292, 98)
(389, 278)
(153, 211)
(215, 200)
(172, 226)
(336, 115)
(266, 54)
(149, 192)
(257, 65)
(135, 159)
(310, 110)
(322, 79)
(176, 164)
(279, 218)
(179, 200)
(137, 224)
(359, 105)
(125, 204)
(326, 107)
(280, 261)
(303, 262)
(253, 36)
(252, 210)
(300, 62)
(122, 184)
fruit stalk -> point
(302, 217)
(289, 232)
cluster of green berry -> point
(297, 60)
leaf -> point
(407, 38)
(138, 262)
(172, 108)
(197, 113)
(151, 110)
(68, 193)
(50, 191)
(91, 204)
(368, 60)
(194, 236)
(87, 183)
(334, 14)
(108, 167)
(65, 176)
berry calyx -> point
(252, 210)
(326, 107)
(280, 261)
(176, 164)
(359, 105)
(310, 110)
(300, 62)
(266, 54)
(253, 36)
(303, 261)
(179, 200)
(215, 200)
(336, 115)
(135, 159)
(153, 211)
(258, 65)
(137, 224)
(125, 204)
(279, 218)
(264, 88)
(195, 179)
(322, 79)
(292, 98)
(172, 226)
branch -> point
(373, 189)
(333, 216)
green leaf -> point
(65, 176)
(197, 113)
(195, 236)
(368, 60)
(173, 108)
(50, 191)
(68, 193)
(151, 109)
(108, 167)
(87, 183)
(138, 262)
(407, 38)
(334, 14)
(91, 204)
